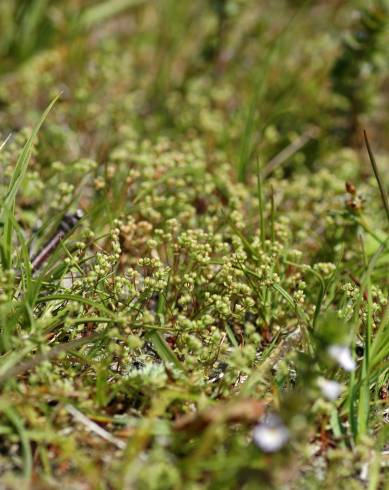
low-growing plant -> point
(193, 282)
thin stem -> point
(384, 195)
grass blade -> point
(163, 350)
(8, 205)
(261, 77)
(5, 141)
(105, 10)
(13, 417)
(160, 345)
(260, 203)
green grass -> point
(230, 270)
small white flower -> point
(329, 388)
(271, 434)
(342, 355)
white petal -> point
(342, 355)
(270, 436)
(330, 389)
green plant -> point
(218, 317)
